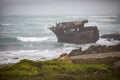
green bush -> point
(24, 67)
(54, 70)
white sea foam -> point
(104, 16)
(106, 42)
(106, 19)
(6, 24)
(32, 39)
(15, 56)
(72, 16)
(91, 24)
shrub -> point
(24, 67)
(54, 70)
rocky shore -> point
(78, 66)
(95, 50)
(98, 62)
(111, 36)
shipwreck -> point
(75, 32)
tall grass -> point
(55, 70)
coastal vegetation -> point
(60, 70)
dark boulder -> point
(114, 48)
(116, 66)
(102, 70)
(76, 52)
(95, 50)
(111, 36)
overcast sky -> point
(59, 7)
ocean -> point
(29, 37)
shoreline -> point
(97, 56)
(94, 51)
(102, 66)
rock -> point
(76, 52)
(95, 50)
(111, 36)
(114, 48)
(116, 65)
(102, 70)
(15, 58)
(65, 57)
(43, 58)
(64, 54)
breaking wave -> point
(111, 16)
(107, 20)
(17, 55)
(103, 41)
(5, 24)
(26, 39)
(33, 39)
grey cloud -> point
(59, 7)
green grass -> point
(24, 67)
(55, 70)
(108, 61)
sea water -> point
(29, 37)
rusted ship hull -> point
(82, 36)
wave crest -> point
(6, 24)
(107, 20)
(110, 16)
(32, 39)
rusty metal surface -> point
(75, 32)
